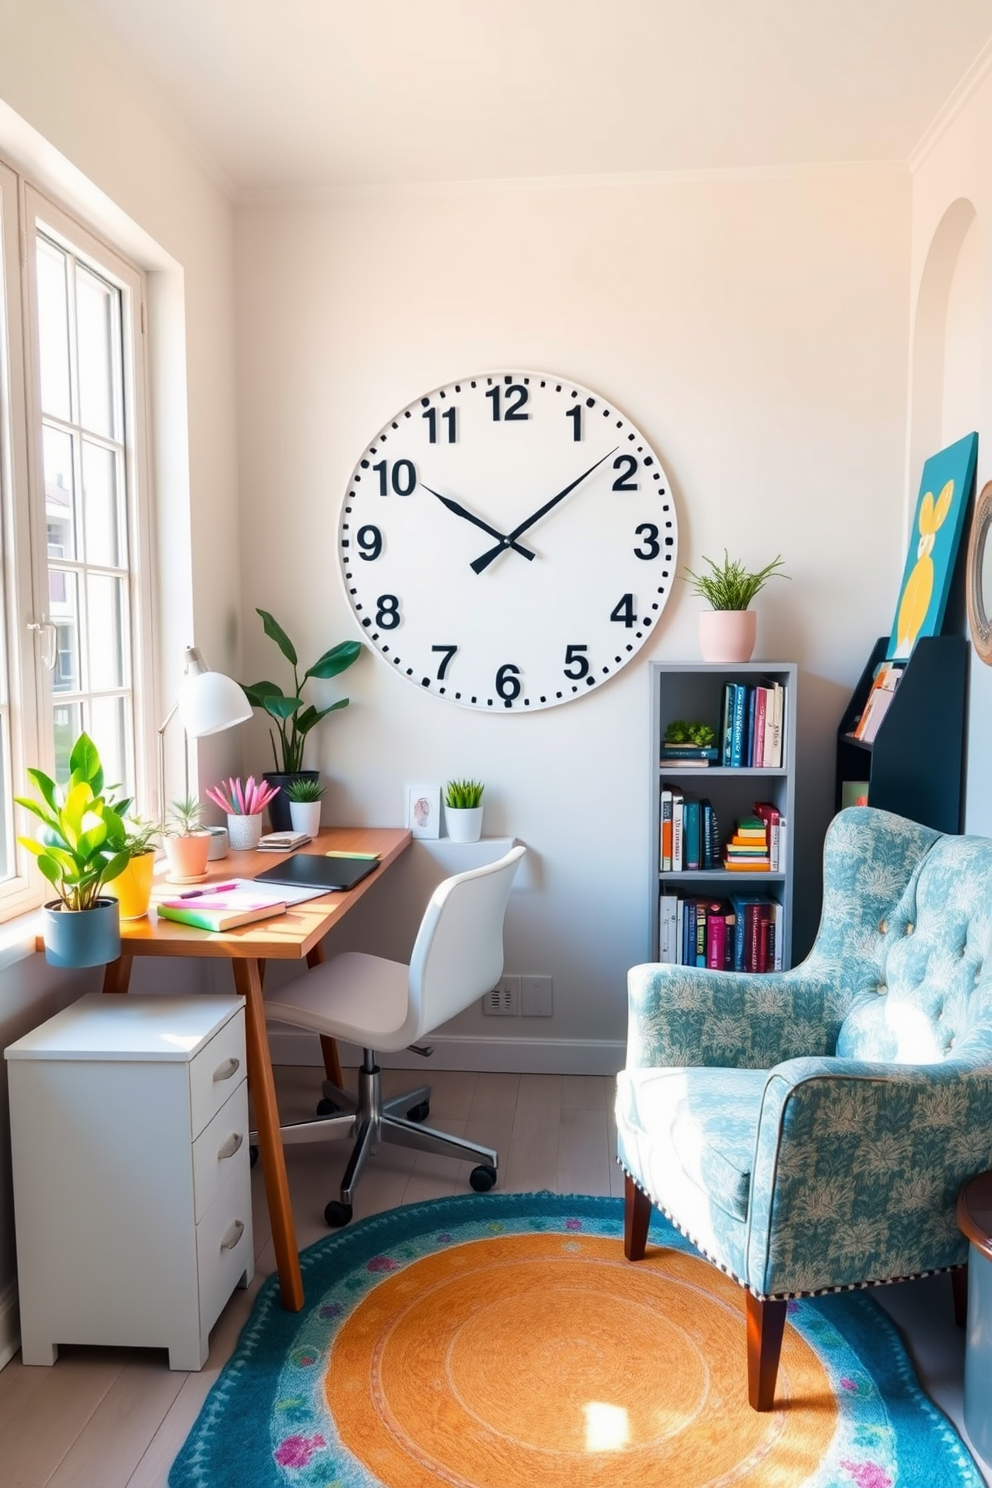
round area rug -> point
(503, 1341)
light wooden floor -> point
(115, 1418)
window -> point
(73, 493)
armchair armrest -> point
(681, 1015)
(858, 1166)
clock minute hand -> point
(493, 553)
(461, 511)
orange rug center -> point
(548, 1361)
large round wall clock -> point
(508, 541)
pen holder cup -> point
(244, 832)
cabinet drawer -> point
(216, 1071)
(224, 1250)
(220, 1152)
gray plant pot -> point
(82, 937)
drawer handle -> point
(227, 1069)
(233, 1235)
(231, 1146)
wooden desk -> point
(294, 936)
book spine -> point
(776, 756)
(680, 933)
(666, 829)
(749, 736)
(727, 722)
(777, 918)
(716, 939)
(700, 932)
(760, 716)
(737, 727)
(752, 937)
(706, 834)
(677, 830)
(688, 940)
(783, 843)
(690, 834)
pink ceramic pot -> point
(727, 636)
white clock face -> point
(508, 541)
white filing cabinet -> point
(132, 1199)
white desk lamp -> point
(208, 703)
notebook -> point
(314, 870)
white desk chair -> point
(387, 1006)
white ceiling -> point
(301, 94)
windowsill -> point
(19, 938)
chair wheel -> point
(482, 1178)
(327, 1107)
(252, 1156)
(419, 1113)
(337, 1214)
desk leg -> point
(117, 974)
(248, 981)
(328, 1046)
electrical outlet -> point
(536, 996)
(504, 999)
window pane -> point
(108, 730)
(53, 330)
(100, 506)
(96, 319)
(60, 515)
(5, 859)
(68, 727)
(106, 632)
(63, 605)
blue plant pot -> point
(82, 937)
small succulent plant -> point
(303, 790)
(680, 732)
(463, 795)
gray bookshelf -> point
(693, 691)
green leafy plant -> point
(82, 845)
(292, 717)
(140, 835)
(679, 732)
(463, 795)
(304, 790)
(731, 586)
(183, 817)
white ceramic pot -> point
(244, 831)
(464, 823)
(727, 636)
(305, 816)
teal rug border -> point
(230, 1445)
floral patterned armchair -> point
(809, 1130)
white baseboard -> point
(10, 1324)
(488, 1055)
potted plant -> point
(304, 797)
(463, 810)
(132, 888)
(729, 628)
(244, 802)
(80, 851)
(187, 841)
(293, 719)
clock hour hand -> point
(461, 511)
(510, 540)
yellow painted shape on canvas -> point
(918, 591)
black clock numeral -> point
(512, 410)
(574, 657)
(448, 417)
(387, 616)
(508, 682)
(575, 414)
(449, 652)
(624, 611)
(402, 477)
(627, 466)
(369, 539)
(649, 532)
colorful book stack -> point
(740, 933)
(747, 850)
(752, 725)
(690, 833)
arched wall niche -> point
(947, 338)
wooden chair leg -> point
(765, 1326)
(328, 1045)
(636, 1218)
(959, 1287)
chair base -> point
(371, 1120)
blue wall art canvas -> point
(945, 491)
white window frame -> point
(28, 717)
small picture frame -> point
(423, 810)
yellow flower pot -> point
(133, 888)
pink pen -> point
(213, 889)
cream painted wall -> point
(754, 328)
(83, 129)
(958, 169)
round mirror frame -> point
(979, 622)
